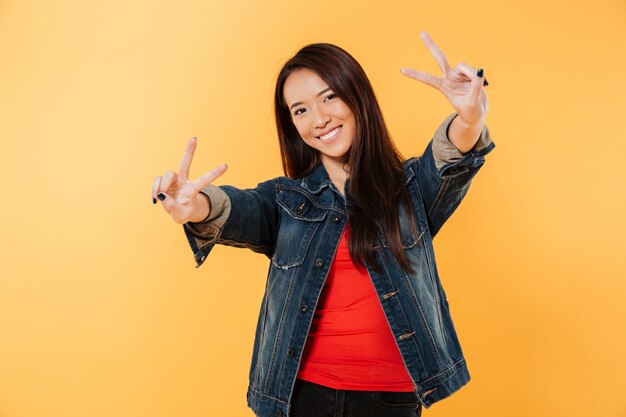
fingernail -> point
(480, 72)
(161, 196)
(153, 200)
(485, 83)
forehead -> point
(301, 85)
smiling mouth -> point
(330, 134)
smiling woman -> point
(362, 152)
(323, 120)
(354, 320)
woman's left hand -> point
(461, 85)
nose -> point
(321, 118)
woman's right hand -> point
(181, 197)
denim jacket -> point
(297, 224)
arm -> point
(444, 173)
(456, 153)
(240, 218)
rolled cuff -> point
(203, 235)
(444, 151)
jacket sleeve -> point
(444, 173)
(244, 218)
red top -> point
(350, 345)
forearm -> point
(464, 136)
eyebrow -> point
(318, 94)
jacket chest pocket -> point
(300, 221)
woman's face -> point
(322, 119)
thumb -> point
(475, 87)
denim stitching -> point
(431, 273)
(308, 197)
(450, 371)
(267, 396)
(444, 186)
(404, 316)
(450, 393)
(422, 318)
(277, 344)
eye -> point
(331, 96)
(298, 111)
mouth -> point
(328, 136)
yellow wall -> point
(102, 312)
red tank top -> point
(350, 345)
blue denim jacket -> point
(297, 224)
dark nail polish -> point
(153, 200)
(485, 83)
(161, 196)
(480, 72)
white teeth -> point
(330, 134)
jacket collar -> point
(318, 179)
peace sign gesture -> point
(461, 85)
(181, 197)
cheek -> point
(350, 122)
(302, 130)
(348, 116)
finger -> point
(209, 177)
(475, 89)
(484, 100)
(440, 57)
(458, 76)
(422, 76)
(169, 178)
(168, 203)
(476, 81)
(155, 187)
(467, 70)
(185, 162)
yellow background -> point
(102, 312)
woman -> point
(354, 320)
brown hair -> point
(375, 164)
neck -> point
(337, 172)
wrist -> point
(464, 135)
(469, 125)
(203, 204)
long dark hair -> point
(375, 164)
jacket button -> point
(319, 262)
(290, 353)
(336, 219)
(303, 308)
